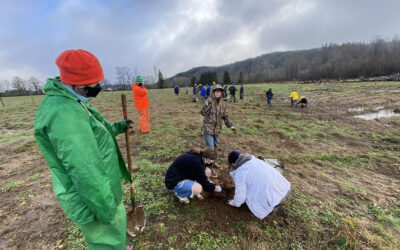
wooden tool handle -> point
(128, 149)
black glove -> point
(129, 123)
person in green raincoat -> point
(80, 148)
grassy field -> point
(345, 172)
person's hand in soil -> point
(230, 203)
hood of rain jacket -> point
(80, 148)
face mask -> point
(140, 84)
(88, 91)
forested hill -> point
(333, 61)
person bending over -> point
(188, 174)
(303, 102)
(258, 184)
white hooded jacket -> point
(260, 185)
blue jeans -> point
(269, 101)
(211, 140)
(184, 188)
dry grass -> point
(345, 172)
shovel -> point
(135, 218)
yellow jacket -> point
(294, 96)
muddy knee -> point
(197, 188)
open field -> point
(345, 171)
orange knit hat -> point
(79, 67)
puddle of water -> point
(356, 109)
(380, 114)
(359, 109)
(379, 107)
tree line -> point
(20, 86)
(330, 61)
(125, 76)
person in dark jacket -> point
(303, 101)
(188, 174)
(232, 91)
(225, 93)
(269, 96)
(176, 90)
(241, 91)
(195, 93)
(208, 91)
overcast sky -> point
(179, 35)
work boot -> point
(182, 200)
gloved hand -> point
(230, 203)
(218, 189)
(206, 103)
(233, 129)
(129, 123)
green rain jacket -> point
(85, 162)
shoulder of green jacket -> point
(59, 101)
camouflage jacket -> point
(214, 113)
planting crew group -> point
(86, 164)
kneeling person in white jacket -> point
(258, 184)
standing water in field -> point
(356, 109)
(380, 114)
(379, 107)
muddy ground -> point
(345, 172)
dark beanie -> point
(233, 156)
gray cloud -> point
(178, 35)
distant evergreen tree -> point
(160, 83)
(208, 77)
(213, 75)
(203, 78)
(241, 77)
(193, 80)
(227, 78)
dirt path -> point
(30, 215)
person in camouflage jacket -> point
(214, 111)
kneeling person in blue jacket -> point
(258, 184)
(188, 174)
